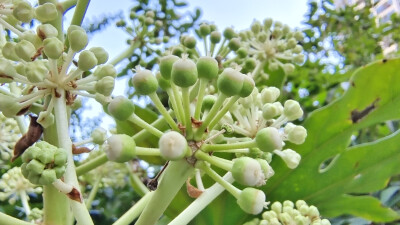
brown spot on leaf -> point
(358, 115)
(384, 60)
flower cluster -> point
(9, 135)
(289, 213)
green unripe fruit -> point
(204, 29)
(230, 82)
(23, 12)
(248, 86)
(144, 82)
(121, 108)
(7, 71)
(120, 148)
(163, 83)
(25, 50)
(173, 146)
(268, 139)
(251, 201)
(247, 171)
(166, 63)
(46, 12)
(215, 37)
(44, 31)
(208, 102)
(77, 38)
(105, 85)
(105, 70)
(8, 51)
(189, 42)
(234, 44)
(100, 53)
(87, 60)
(53, 47)
(207, 67)
(268, 23)
(36, 71)
(177, 51)
(250, 64)
(184, 73)
(229, 33)
(242, 52)
(292, 110)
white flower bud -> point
(99, 135)
(297, 135)
(248, 171)
(270, 110)
(251, 200)
(173, 146)
(277, 207)
(120, 148)
(292, 110)
(290, 157)
(270, 94)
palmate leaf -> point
(352, 172)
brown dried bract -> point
(70, 98)
(35, 131)
(37, 54)
(79, 150)
(75, 195)
(196, 123)
(192, 191)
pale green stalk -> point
(222, 112)
(222, 147)
(147, 151)
(186, 108)
(219, 162)
(143, 124)
(136, 183)
(178, 99)
(9, 220)
(125, 53)
(156, 100)
(93, 192)
(24, 201)
(134, 211)
(202, 91)
(171, 95)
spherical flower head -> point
(87, 60)
(144, 82)
(25, 50)
(36, 71)
(105, 85)
(166, 63)
(46, 31)
(43, 163)
(207, 67)
(53, 47)
(247, 171)
(100, 53)
(99, 135)
(173, 146)
(251, 201)
(120, 148)
(77, 38)
(121, 108)
(8, 51)
(292, 110)
(184, 72)
(248, 86)
(46, 12)
(230, 82)
(23, 12)
(270, 94)
(9, 135)
(7, 70)
(105, 70)
(290, 157)
(268, 139)
(297, 135)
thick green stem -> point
(66, 5)
(222, 147)
(92, 164)
(9, 220)
(222, 112)
(134, 211)
(80, 11)
(147, 151)
(219, 162)
(175, 175)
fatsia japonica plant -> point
(223, 127)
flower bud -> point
(166, 63)
(177, 51)
(121, 108)
(163, 83)
(9, 105)
(46, 12)
(290, 157)
(120, 148)
(100, 53)
(36, 71)
(77, 38)
(298, 49)
(184, 73)
(292, 110)
(215, 37)
(273, 66)
(87, 60)
(288, 68)
(268, 139)
(8, 52)
(204, 29)
(25, 50)
(266, 168)
(173, 146)
(250, 64)
(99, 135)
(298, 35)
(53, 47)
(32, 37)
(242, 52)
(144, 82)
(105, 85)
(230, 82)
(256, 27)
(23, 12)
(276, 207)
(247, 171)
(189, 42)
(248, 86)
(45, 119)
(207, 67)
(270, 111)
(297, 135)
(148, 21)
(291, 43)
(7, 71)
(251, 200)
(46, 31)
(268, 23)
(234, 44)
(229, 33)
(105, 70)
(270, 94)
(208, 102)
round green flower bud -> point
(25, 50)
(177, 51)
(247, 171)
(268, 23)
(23, 12)
(173, 146)
(298, 49)
(298, 58)
(250, 64)
(8, 52)
(163, 83)
(273, 66)
(256, 27)
(121, 108)
(105, 70)
(204, 29)
(215, 37)
(46, 12)
(53, 47)
(120, 148)
(270, 94)
(100, 53)
(105, 86)
(290, 157)
(242, 52)
(251, 201)
(99, 135)
(230, 82)
(208, 102)
(32, 37)
(291, 43)
(234, 44)
(9, 106)
(43, 163)
(158, 24)
(184, 73)
(229, 33)
(248, 86)
(36, 71)
(288, 68)
(44, 31)
(298, 35)
(297, 135)
(103, 100)
(77, 38)
(292, 110)
(150, 14)
(207, 67)
(87, 60)
(148, 21)
(270, 111)
(166, 63)
(268, 139)
(262, 37)
(144, 82)
(7, 71)
(45, 119)
(189, 42)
